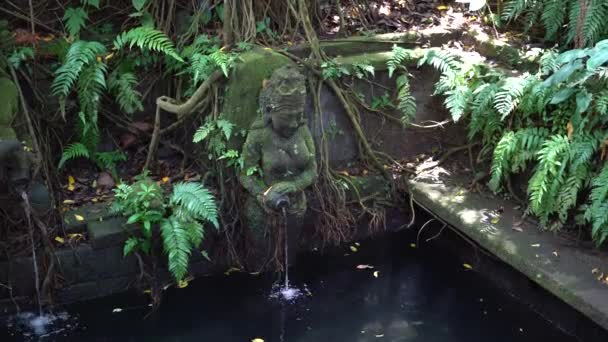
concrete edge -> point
(571, 282)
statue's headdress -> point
(284, 92)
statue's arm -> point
(252, 157)
(309, 175)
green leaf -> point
(598, 58)
(571, 55)
(130, 246)
(562, 95)
(583, 100)
(564, 73)
(75, 19)
(139, 4)
(226, 127)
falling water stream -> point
(28, 214)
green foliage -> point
(551, 123)
(559, 15)
(331, 69)
(406, 103)
(215, 134)
(597, 211)
(122, 86)
(147, 38)
(75, 19)
(398, 57)
(181, 217)
(73, 151)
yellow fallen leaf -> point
(182, 283)
(59, 239)
(570, 128)
(166, 179)
(380, 335)
(94, 200)
(148, 291)
(467, 266)
(442, 7)
(376, 274)
(257, 340)
(78, 217)
(536, 245)
(344, 173)
(69, 201)
(413, 245)
(357, 244)
(495, 220)
(353, 248)
(107, 57)
(98, 59)
(75, 236)
(71, 183)
(231, 270)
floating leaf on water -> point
(536, 245)
(555, 253)
(442, 7)
(71, 183)
(78, 217)
(357, 244)
(495, 220)
(376, 274)
(148, 291)
(353, 248)
(363, 267)
(257, 340)
(467, 266)
(413, 245)
(69, 201)
(116, 310)
(380, 335)
(59, 239)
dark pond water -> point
(418, 294)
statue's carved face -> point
(286, 123)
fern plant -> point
(583, 25)
(181, 217)
(85, 72)
(552, 122)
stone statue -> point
(279, 153)
(15, 161)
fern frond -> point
(75, 19)
(122, 85)
(177, 245)
(594, 23)
(510, 94)
(406, 103)
(397, 57)
(222, 60)
(503, 153)
(73, 151)
(90, 87)
(79, 54)
(549, 176)
(442, 60)
(597, 211)
(457, 101)
(553, 17)
(195, 200)
(147, 38)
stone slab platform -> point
(560, 266)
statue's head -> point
(282, 100)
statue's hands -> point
(276, 197)
(285, 188)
